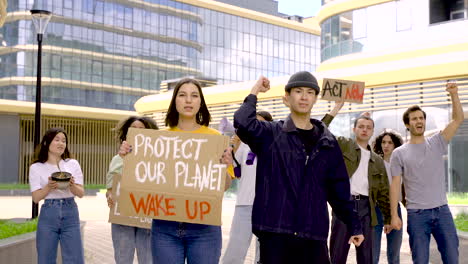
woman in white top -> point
(240, 236)
(384, 145)
(59, 220)
(128, 239)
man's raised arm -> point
(457, 113)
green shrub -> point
(9, 228)
(461, 222)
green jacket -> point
(377, 174)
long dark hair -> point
(41, 153)
(395, 136)
(203, 116)
(122, 127)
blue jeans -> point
(394, 240)
(240, 236)
(173, 242)
(128, 238)
(438, 222)
(59, 221)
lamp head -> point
(40, 19)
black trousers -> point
(284, 249)
(340, 235)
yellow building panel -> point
(359, 59)
(426, 73)
(338, 7)
(21, 107)
(215, 95)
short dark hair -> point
(365, 118)
(395, 136)
(122, 127)
(41, 153)
(408, 111)
(267, 116)
(203, 116)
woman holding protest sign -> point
(57, 178)
(127, 239)
(177, 242)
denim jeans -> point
(394, 240)
(128, 238)
(340, 234)
(240, 236)
(59, 221)
(438, 222)
(174, 242)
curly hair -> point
(395, 136)
(122, 127)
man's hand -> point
(388, 229)
(452, 88)
(337, 108)
(261, 86)
(356, 240)
(396, 222)
(366, 114)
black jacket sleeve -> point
(250, 130)
(339, 193)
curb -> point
(462, 235)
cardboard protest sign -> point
(114, 213)
(174, 176)
(337, 90)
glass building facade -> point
(107, 54)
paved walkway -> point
(98, 242)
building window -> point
(447, 10)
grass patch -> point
(9, 228)
(95, 186)
(457, 198)
(461, 222)
(14, 186)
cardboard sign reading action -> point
(337, 90)
(114, 213)
(174, 176)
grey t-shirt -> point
(422, 169)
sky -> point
(304, 8)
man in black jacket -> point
(300, 168)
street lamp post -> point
(40, 19)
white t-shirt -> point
(39, 174)
(246, 191)
(359, 180)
